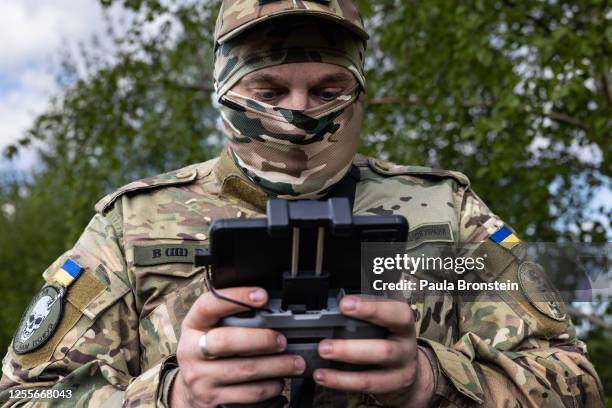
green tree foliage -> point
(516, 94)
(30, 238)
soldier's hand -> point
(403, 375)
(247, 367)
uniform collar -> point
(234, 182)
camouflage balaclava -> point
(291, 153)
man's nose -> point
(297, 100)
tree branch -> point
(556, 116)
(595, 320)
(607, 86)
(563, 118)
(535, 20)
(204, 87)
(386, 100)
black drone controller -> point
(304, 331)
(306, 254)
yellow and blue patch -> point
(67, 273)
(505, 238)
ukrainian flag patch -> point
(505, 238)
(67, 273)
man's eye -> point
(266, 94)
(327, 94)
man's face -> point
(299, 86)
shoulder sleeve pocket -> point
(85, 299)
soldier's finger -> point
(369, 381)
(248, 393)
(245, 370)
(368, 351)
(394, 315)
(208, 308)
(234, 341)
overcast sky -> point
(32, 32)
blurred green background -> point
(516, 94)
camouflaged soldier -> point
(118, 308)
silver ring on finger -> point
(204, 349)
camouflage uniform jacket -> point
(116, 341)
